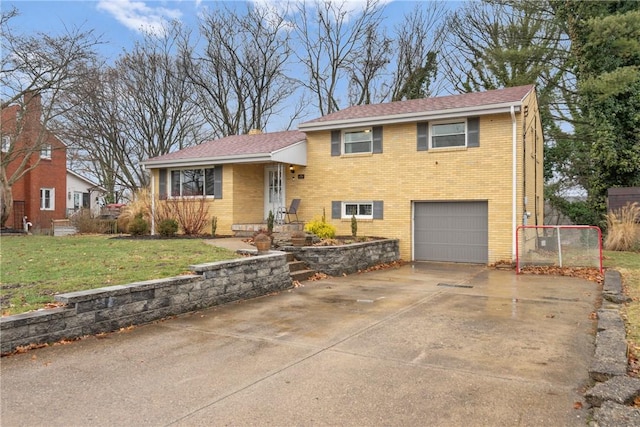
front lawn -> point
(628, 264)
(35, 268)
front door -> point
(274, 190)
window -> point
(448, 135)
(45, 151)
(359, 141)
(47, 199)
(6, 144)
(192, 182)
(362, 210)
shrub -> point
(140, 205)
(622, 228)
(85, 223)
(168, 227)
(192, 214)
(138, 226)
(321, 228)
(354, 226)
(214, 225)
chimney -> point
(255, 132)
(32, 108)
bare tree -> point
(142, 107)
(418, 45)
(35, 68)
(333, 42)
(241, 75)
(367, 69)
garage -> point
(451, 231)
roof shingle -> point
(467, 100)
(237, 145)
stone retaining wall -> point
(347, 259)
(111, 308)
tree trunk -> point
(6, 198)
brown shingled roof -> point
(236, 145)
(442, 103)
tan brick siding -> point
(402, 175)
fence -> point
(558, 245)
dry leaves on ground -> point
(590, 273)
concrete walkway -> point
(424, 344)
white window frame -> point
(6, 144)
(204, 186)
(360, 204)
(368, 131)
(45, 151)
(44, 206)
(447, 122)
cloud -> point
(136, 15)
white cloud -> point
(138, 16)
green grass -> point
(628, 264)
(35, 268)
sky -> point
(119, 22)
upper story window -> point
(192, 182)
(448, 135)
(6, 144)
(45, 151)
(358, 141)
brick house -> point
(450, 177)
(40, 194)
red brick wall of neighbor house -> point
(49, 173)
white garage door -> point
(451, 231)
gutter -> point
(514, 160)
(410, 117)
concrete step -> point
(302, 275)
(297, 266)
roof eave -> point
(277, 155)
(420, 116)
(201, 161)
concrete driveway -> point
(425, 344)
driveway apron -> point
(423, 344)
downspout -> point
(514, 150)
(153, 205)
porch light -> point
(292, 169)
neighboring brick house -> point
(450, 177)
(40, 194)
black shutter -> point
(162, 184)
(377, 140)
(336, 210)
(423, 136)
(217, 182)
(336, 137)
(473, 132)
(378, 209)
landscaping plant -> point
(354, 226)
(623, 231)
(321, 228)
(168, 227)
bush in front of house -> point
(321, 228)
(138, 226)
(168, 227)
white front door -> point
(274, 189)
